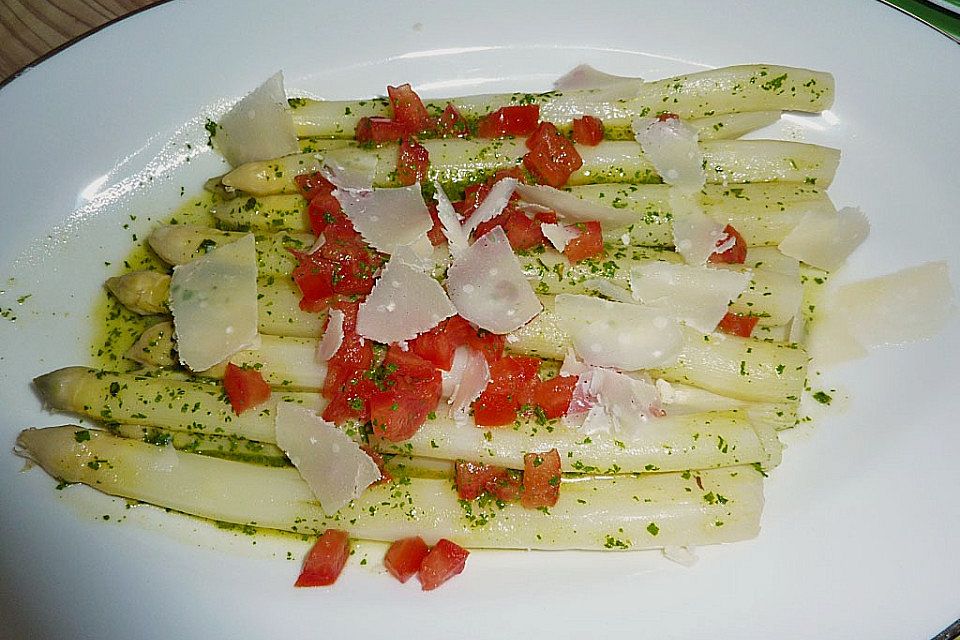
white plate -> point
(859, 530)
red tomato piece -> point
(663, 117)
(326, 559)
(378, 129)
(474, 479)
(245, 388)
(345, 384)
(435, 235)
(522, 232)
(737, 254)
(444, 561)
(312, 184)
(326, 216)
(553, 396)
(451, 123)
(737, 325)
(405, 556)
(408, 392)
(408, 109)
(516, 120)
(588, 130)
(541, 479)
(511, 386)
(340, 266)
(489, 344)
(552, 158)
(589, 244)
(413, 160)
(550, 217)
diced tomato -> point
(552, 158)
(327, 217)
(444, 561)
(550, 217)
(737, 254)
(409, 391)
(512, 383)
(408, 109)
(346, 385)
(475, 194)
(378, 129)
(663, 117)
(451, 123)
(413, 160)
(473, 479)
(405, 556)
(588, 130)
(541, 479)
(589, 244)
(516, 120)
(738, 325)
(377, 460)
(553, 396)
(326, 559)
(489, 344)
(340, 266)
(311, 184)
(435, 235)
(245, 388)
(438, 344)
(522, 232)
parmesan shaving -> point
(558, 235)
(488, 288)
(333, 465)
(825, 238)
(457, 239)
(350, 169)
(584, 76)
(474, 376)
(492, 205)
(695, 234)
(258, 127)
(214, 304)
(387, 218)
(618, 335)
(673, 148)
(404, 303)
(698, 296)
(614, 402)
(573, 209)
(332, 336)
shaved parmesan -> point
(258, 127)
(214, 304)
(574, 209)
(457, 239)
(906, 306)
(487, 285)
(698, 296)
(558, 235)
(474, 375)
(350, 168)
(387, 218)
(404, 303)
(681, 555)
(584, 76)
(333, 465)
(492, 205)
(571, 365)
(673, 147)
(614, 402)
(332, 336)
(695, 234)
(619, 335)
(825, 238)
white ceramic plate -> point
(859, 530)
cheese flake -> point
(619, 335)
(695, 234)
(258, 127)
(492, 205)
(350, 168)
(825, 238)
(558, 235)
(404, 303)
(573, 209)
(673, 147)
(333, 465)
(457, 239)
(214, 304)
(470, 375)
(488, 288)
(387, 218)
(698, 296)
(612, 402)
(332, 336)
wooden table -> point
(29, 29)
